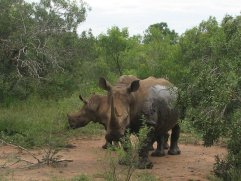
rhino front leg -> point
(151, 148)
(166, 137)
(174, 149)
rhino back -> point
(156, 98)
(140, 96)
(126, 79)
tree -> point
(162, 51)
(164, 32)
(28, 40)
(113, 45)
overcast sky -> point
(137, 15)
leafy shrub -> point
(211, 88)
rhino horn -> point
(113, 120)
(82, 99)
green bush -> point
(210, 91)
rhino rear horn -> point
(82, 99)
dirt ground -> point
(194, 163)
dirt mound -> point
(194, 163)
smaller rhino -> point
(95, 109)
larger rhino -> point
(154, 98)
(96, 109)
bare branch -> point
(20, 147)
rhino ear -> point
(82, 99)
(134, 86)
(104, 84)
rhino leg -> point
(151, 146)
(144, 162)
(161, 145)
(174, 149)
(166, 145)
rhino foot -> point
(145, 164)
(158, 153)
(174, 151)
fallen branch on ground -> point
(50, 157)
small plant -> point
(127, 154)
(81, 178)
(145, 176)
(51, 155)
(112, 174)
(225, 170)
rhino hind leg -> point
(159, 152)
(174, 149)
(166, 145)
(161, 145)
(151, 148)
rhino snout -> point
(71, 122)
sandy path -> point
(195, 162)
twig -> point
(22, 148)
(64, 160)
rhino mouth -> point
(76, 123)
(71, 126)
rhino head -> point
(120, 99)
(86, 114)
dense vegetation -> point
(44, 63)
